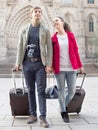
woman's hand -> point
(81, 70)
(49, 69)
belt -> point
(34, 59)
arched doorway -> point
(15, 24)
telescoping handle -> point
(14, 73)
(83, 78)
(51, 81)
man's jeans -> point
(70, 78)
(34, 72)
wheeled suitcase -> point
(19, 98)
(75, 104)
(51, 89)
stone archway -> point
(15, 24)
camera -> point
(31, 48)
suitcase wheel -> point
(78, 110)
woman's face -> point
(58, 23)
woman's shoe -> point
(65, 116)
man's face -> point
(36, 14)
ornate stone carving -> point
(10, 2)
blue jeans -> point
(65, 97)
(34, 72)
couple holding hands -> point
(38, 53)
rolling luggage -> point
(51, 89)
(75, 104)
(19, 99)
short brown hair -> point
(34, 8)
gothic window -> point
(66, 1)
(90, 1)
(91, 25)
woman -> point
(66, 62)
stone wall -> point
(3, 46)
(14, 14)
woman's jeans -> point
(34, 72)
(66, 96)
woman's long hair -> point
(66, 25)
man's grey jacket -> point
(44, 43)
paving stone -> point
(8, 117)
(15, 128)
(75, 119)
(57, 121)
(6, 123)
(92, 119)
(52, 106)
(2, 117)
(84, 127)
(65, 127)
(22, 122)
(53, 115)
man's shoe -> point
(44, 123)
(32, 119)
(65, 116)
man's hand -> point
(17, 68)
(49, 69)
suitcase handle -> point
(14, 72)
(84, 75)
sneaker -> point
(44, 123)
(65, 116)
(32, 119)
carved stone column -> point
(82, 32)
(3, 48)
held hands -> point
(48, 69)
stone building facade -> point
(82, 15)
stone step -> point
(6, 70)
(7, 64)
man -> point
(35, 54)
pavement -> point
(87, 119)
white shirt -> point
(65, 64)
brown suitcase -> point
(75, 104)
(19, 99)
